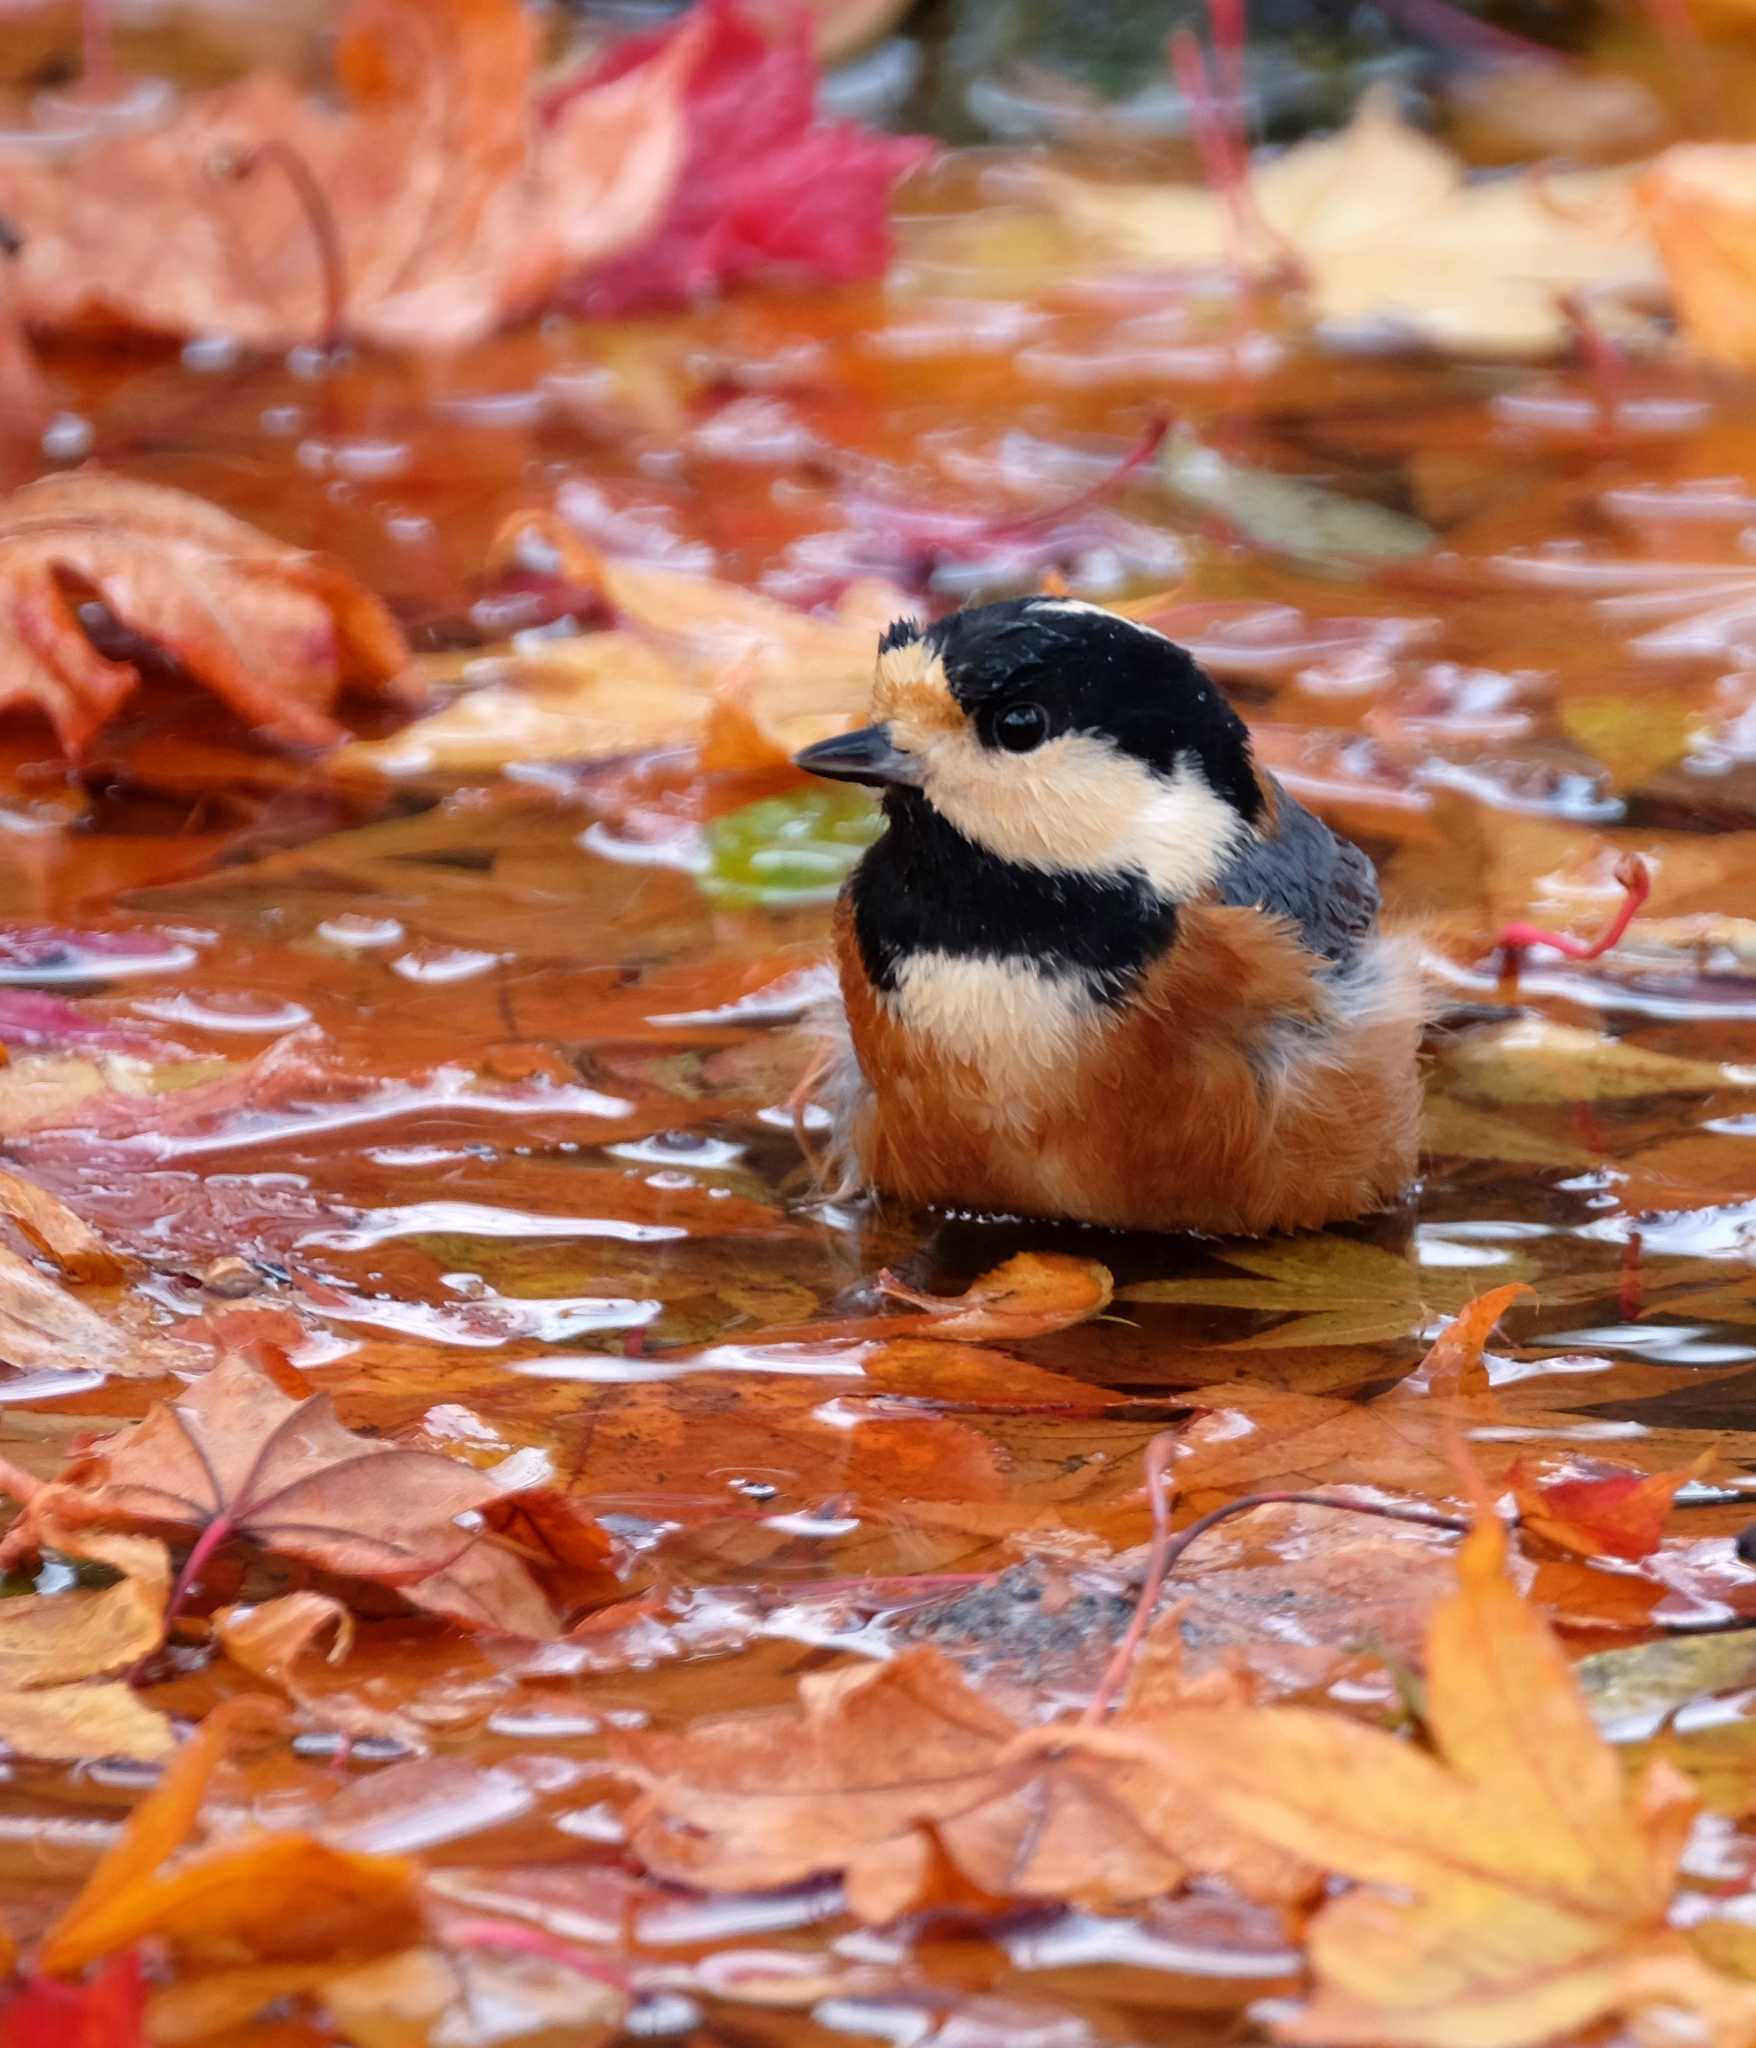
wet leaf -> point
(1331, 1289)
(682, 646)
(1388, 231)
(1699, 203)
(1029, 1296)
(107, 2011)
(783, 850)
(274, 632)
(1634, 737)
(53, 1228)
(1301, 520)
(875, 1756)
(1514, 1887)
(45, 1327)
(236, 1456)
(87, 1723)
(1535, 1060)
(765, 187)
(1599, 1509)
(452, 207)
(52, 1639)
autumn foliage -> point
(489, 1552)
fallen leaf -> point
(1601, 1510)
(273, 631)
(53, 1228)
(1533, 1059)
(1330, 1289)
(1632, 736)
(1304, 521)
(1699, 204)
(269, 1640)
(765, 189)
(445, 204)
(874, 1755)
(107, 2011)
(1030, 1295)
(1388, 229)
(1513, 1887)
(236, 1456)
(53, 1639)
(280, 1897)
(680, 645)
(84, 1723)
(45, 1327)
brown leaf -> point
(1514, 1888)
(269, 1640)
(274, 632)
(45, 1327)
(84, 1723)
(53, 1228)
(1699, 201)
(53, 1639)
(277, 1897)
(681, 649)
(1030, 1295)
(237, 1456)
(874, 1755)
(452, 208)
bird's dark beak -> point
(864, 756)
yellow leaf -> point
(1534, 1060)
(1699, 201)
(74, 1723)
(1529, 1885)
(1388, 229)
(1333, 1289)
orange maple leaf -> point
(271, 630)
(434, 207)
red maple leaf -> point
(765, 187)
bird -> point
(1099, 965)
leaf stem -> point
(1634, 878)
(1168, 1550)
(97, 50)
(320, 218)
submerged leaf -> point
(1304, 521)
(1331, 1290)
(785, 850)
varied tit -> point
(1100, 965)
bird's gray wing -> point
(1301, 871)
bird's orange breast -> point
(1235, 1090)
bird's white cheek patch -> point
(1081, 806)
(1020, 1028)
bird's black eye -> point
(1020, 727)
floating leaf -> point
(787, 850)
(1513, 1886)
(1304, 521)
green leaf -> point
(1305, 521)
(1334, 1290)
(788, 850)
